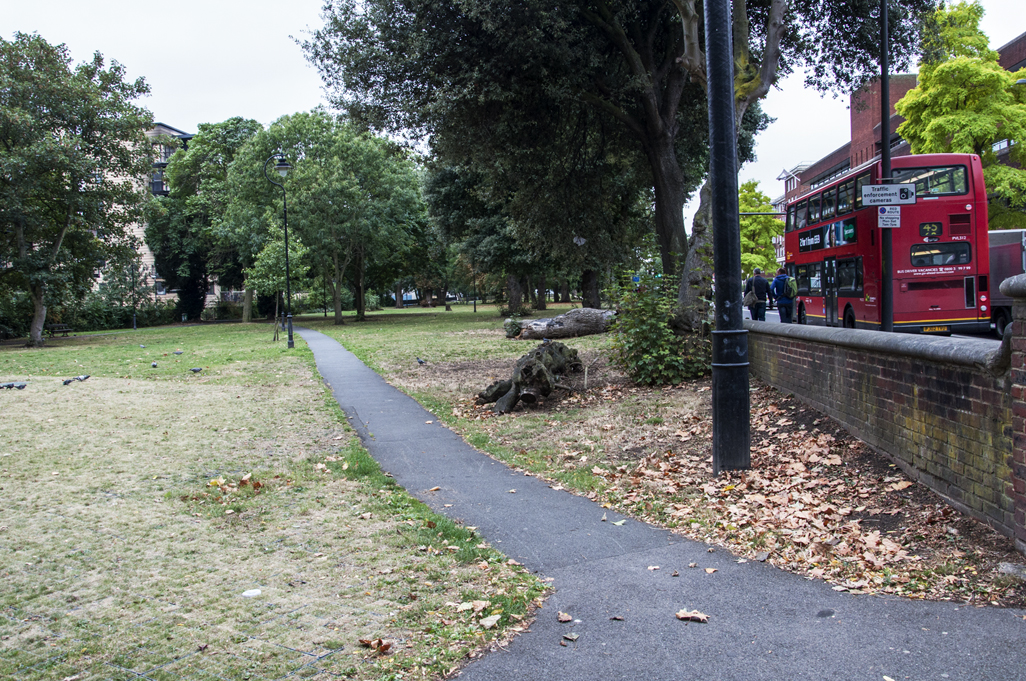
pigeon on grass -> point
(76, 378)
(196, 370)
(420, 361)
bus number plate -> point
(935, 329)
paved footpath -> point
(764, 624)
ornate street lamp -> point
(283, 168)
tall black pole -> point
(283, 167)
(288, 285)
(731, 437)
(886, 264)
(473, 272)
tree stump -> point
(580, 322)
(535, 375)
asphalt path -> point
(763, 623)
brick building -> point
(865, 130)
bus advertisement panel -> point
(940, 267)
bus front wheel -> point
(801, 313)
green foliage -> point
(72, 151)
(757, 232)
(965, 103)
(644, 344)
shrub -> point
(644, 345)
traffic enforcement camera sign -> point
(888, 194)
(888, 217)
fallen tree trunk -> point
(581, 322)
(535, 375)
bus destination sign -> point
(888, 194)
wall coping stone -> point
(1014, 287)
(990, 355)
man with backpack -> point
(759, 289)
(785, 289)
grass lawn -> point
(225, 523)
(817, 501)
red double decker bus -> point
(940, 267)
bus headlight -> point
(983, 308)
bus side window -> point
(815, 270)
(799, 220)
(844, 196)
(861, 180)
(802, 277)
(814, 209)
(790, 219)
(829, 199)
(849, 276)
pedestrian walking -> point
(758, 286)
(785, 289)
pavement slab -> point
(763, 623)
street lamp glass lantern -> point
(283, 167)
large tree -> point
(965, 102)
(352, 197)
(757, 231)
(454, 70)
(72, 157)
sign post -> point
(888, 217)
(889, 194)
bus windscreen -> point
(935, 181)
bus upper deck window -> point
(844, 196)
(829, 200)
(935, 180)
(799, 217)
(860, 181)
(790, 219)
(814, 209)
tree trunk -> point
(247, 306)
(539, 301)
(565, 290)
(534, 376)
(529, 295)
(515, 294)
(361, 293)
(670, 197)
(38, 294)
(590, 289)
(398, 296)
(583, 321)
(696, 282)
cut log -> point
(535, 375)
(580, 322)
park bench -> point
(54, 329)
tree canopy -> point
(536, 97)
(72, 152)
(181, 227)
(352, 197)
(757, 231)
(965, 102)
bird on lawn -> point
(196, 370)
(153, 364)
(76, 378)
(178, 352)
(142, 346)
(420, 361)
(8, 386)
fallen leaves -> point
(692, 616)
(378, 645)
(563, 617)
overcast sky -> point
(211, 60)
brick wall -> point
(941, 409)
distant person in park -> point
(761, 288)
(784, 289)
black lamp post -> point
(283, 168)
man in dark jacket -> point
(785, 303)
(762, 292)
